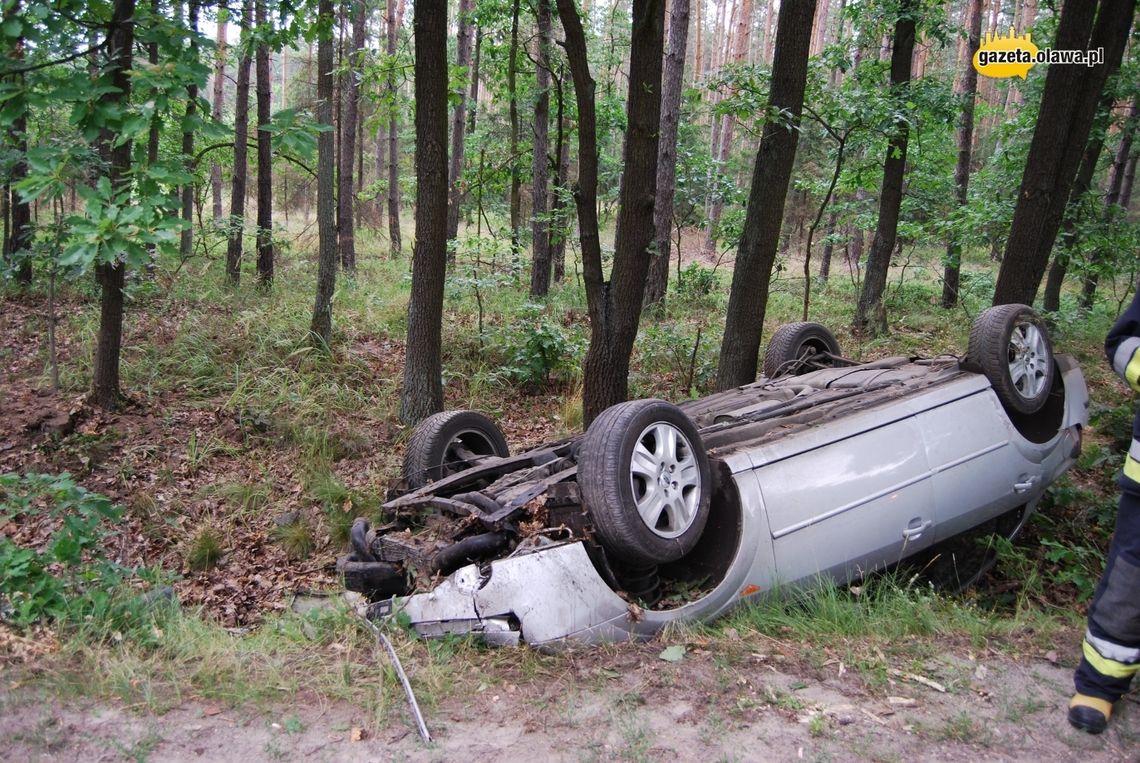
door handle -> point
(1025, 484)
(913, 533)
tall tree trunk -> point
(540, 222)
(1129, 180)
(870, 314)
(1051, 299)
(698, 51)
(186, 241)
(828, 246)
(350, 114)
(967, 88)
(615, 307)
(772, 171)
(395, 244)
(458, 122)
(559, 215)
(512, 95)
(216, 109)
(241, 152)
(422, 394)
(264, 159)
(321, 326)
(18, 221)
(1068, 106)
(658, 277)
(105, 391)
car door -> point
(978, 473)
(857, 501)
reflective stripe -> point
(1107, 667)
(1103, 706)
(1134, 449)
(1113, 651)
(1124, 360)
(1132, 467)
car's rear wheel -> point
(449, 442)
(1011, 346)
(797, 348)
(644, 477)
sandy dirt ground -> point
(624, 705)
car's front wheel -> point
(644, 477)
(1011, 346)
(449, 442)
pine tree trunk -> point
(395, 244)
(186, 241)
(264, 160)
(216, 112)
(422, 394)
(658, 278)
(241, 152)
(966, 87)
(458, 123)
(1129, 179)
(615, 307)
(348, 128)
(828, 247)
(559, 214)
(540, 192)
(771, 174)
(1068, 106)
(512, 95)
(18, 220)
(105, 391)
(870, 314)
(321, 326)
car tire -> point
(445, 443)
(1011, 346)
(794, 341)
(645, 481)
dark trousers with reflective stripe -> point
(1114, 615)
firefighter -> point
(1111, 648)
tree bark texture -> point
(422, 393)
(395, 245)
(616, 306)
(186, 240)
(18, 227)
(216, 112)
(540, 177)
(658, 277)
(264, 160)
(105, 391)
(748, 299)
(321, 326)
(966, 88)
(1068, 106)
(241, 152)
(350, 113)
(870, 313)
(459, 121)
(512, 95)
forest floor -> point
(228, 426)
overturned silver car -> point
(823, 468)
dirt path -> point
(626, 706)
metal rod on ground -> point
(380, 637)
